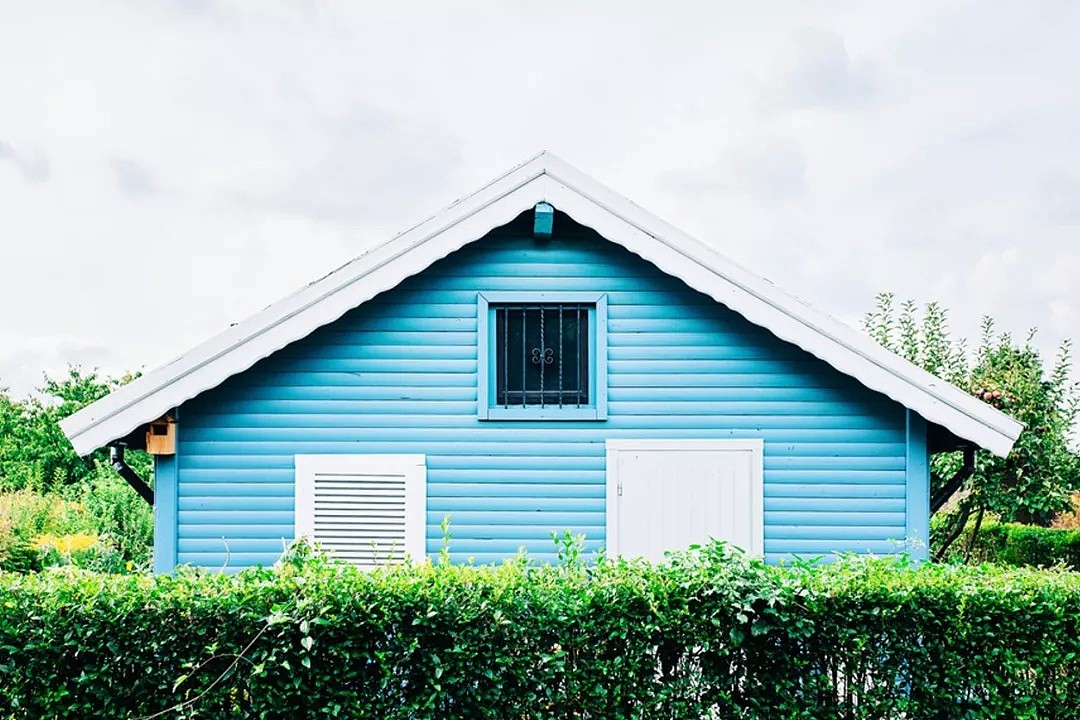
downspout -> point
(954, 483)
(116, 459)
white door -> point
(367, 509)
(669, 494)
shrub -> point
(26, 516)
(1069, 520)
(7, 539)
(39, 530)
(122, 518)
(1022, 545)
(706, 634)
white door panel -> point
(670, 494)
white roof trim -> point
(544, 178)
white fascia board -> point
(762, 303)
(548, 179)
(296, 316)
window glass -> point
(542, 355)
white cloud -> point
(133, 180)
(32, 164)
(166, 169)
(816, 70)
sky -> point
(168, 168)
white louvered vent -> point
(366, 509)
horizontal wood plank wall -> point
(398, 375)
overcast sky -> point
(168, 168)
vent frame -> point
(365, 509)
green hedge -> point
(1022, 545)
(705, 635)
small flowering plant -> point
(84, 550)
(65, 544)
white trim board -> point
(544, 178)
(754, 446)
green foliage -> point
(925, 342)
(122, 518)
(46, 489)
(707, 634)
(1019, 545)
(103, 508)
(26, 516)
(33, 450)
(1036, 480)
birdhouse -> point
(161, 436)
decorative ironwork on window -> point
(542, 355)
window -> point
(542, 357)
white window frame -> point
(413, 467)
(757, 499)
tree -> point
(1037, 479)
(33, 450)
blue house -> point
(542, 355)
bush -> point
(1069, 520)
(121, 517)
(100, 524)
(1022, 545)
(27, 516)
(707, 634)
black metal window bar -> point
(542, 355)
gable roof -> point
(543, 178)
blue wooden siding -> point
(399, 375)
(165, 527)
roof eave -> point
(543, 178)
